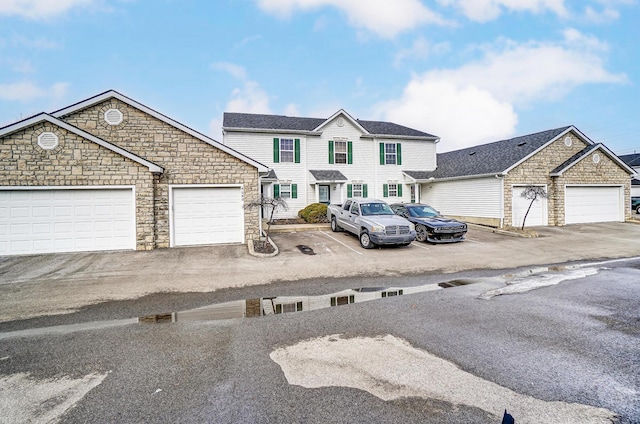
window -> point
(392, 190)
(340, 152)
(286, 150)
(342, 300)
(356, 190)
(285, 191)
(390, 154)
(283, 308)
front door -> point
(323, 194)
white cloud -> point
(39, 9)
(382, 17)
(232, 69)
(251, 98)
(600, 17)
(420, 49)
(27, 91)
(477, 102)
(487, 10)
(292, 109)
(460, 115)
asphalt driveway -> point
(58, 283)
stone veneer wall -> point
(186, 159)
(536, 169)
(76, 162)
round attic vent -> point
(48, 140)
(568, 141)
(340, 122)
(596, 158)
(113, 117)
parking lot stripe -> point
(348, 247)
(420, 246)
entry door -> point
(323, 194)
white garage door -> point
(48, 221)
(593, 204)
(537, 215)
(207, 215)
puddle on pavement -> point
(305, 249)
(263, 306)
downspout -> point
(501, 177)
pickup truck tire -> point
(365, 240)
(334, 225)
(421, 233)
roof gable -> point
(573, 160)
(44, 117)
(114, 94)
(233, 121)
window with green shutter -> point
(330, 151)
(276, 150)
(385, 190)
(276, 191)
(365, 191)
(297, 150)
(390, 154)
(350, 152)
(349, 190)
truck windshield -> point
(375, 209)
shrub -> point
(314, 213)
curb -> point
(252, 252)
(498, 231)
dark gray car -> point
(430, 225)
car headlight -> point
(377, 228)
(412, 226)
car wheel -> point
(365, 240)
(421, 233)
(334, 225)
(638, 210)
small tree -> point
(275, 203)
(532, 193)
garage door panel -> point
(207, 215)
(61, 220)
(593, 204)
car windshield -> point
(375, 209)
(422, 211)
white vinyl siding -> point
(479, 197)
(585, 204)
(206, 215)
(66, 220)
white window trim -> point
(292, 151)
(353, 189)
(344, 153)
(394, 154)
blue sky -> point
(469, 71)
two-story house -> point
(332, 159)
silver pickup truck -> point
(372, 221)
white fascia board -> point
(562, 134)
(467, 177)
(604, 150)
(400, 137)
(77, 131)
(114, 94)
(349, 117)
(274, 131)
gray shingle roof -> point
(328, 175)
(279, 122)
(271, 175)
(633, 160)
(492, 158)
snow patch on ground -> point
(24, 399)
(531, 282)
(390, 368)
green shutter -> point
(381, 153)
(349, 190)
(276, 150)
(385, 190)
(330, 151)
(276, 191)
(365, 191)
(349, 152)
(294, 191)
(398, 154)
(399, 190)
(296, 151)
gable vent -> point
(113, 117)
(48, 140)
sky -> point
(468, 71)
